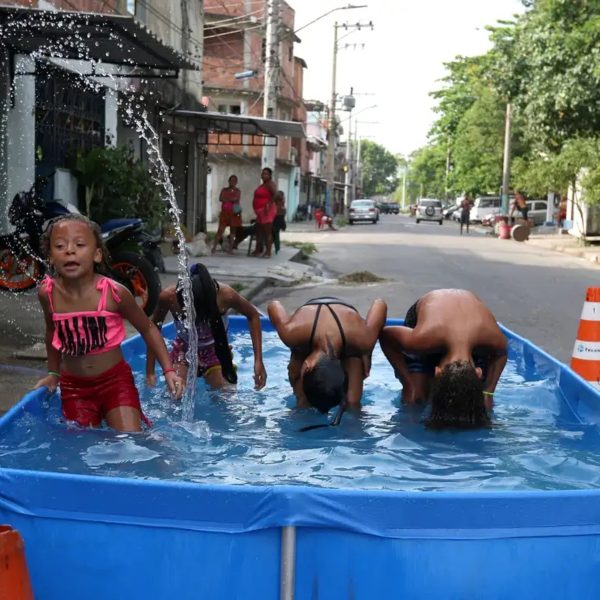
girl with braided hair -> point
(212, 300)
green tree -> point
(478, 146)
(551, 61)
(379, 169)
(427, 173)
(116, 185)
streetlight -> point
(347, 7)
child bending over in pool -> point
(85, 312)
(212, 300)
(331, 347)
(451, 343)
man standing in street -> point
(465, 211)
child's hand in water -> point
(151, 380)
(175, 384)
(50, 381)
(260, 375)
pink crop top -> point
(87, 332)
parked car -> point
(390, 208)
(363, 210)
(536, 214)
(449, 211)
(483, 206)
(429, 209)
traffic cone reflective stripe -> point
(586, 353)
(14, 577)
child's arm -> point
(374, 322)
(289, 334)
(158, 317)
(51, 380)
(229, 298)
(131, 311)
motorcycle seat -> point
(116, 223)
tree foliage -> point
(546, 63)
(116, 185)
(379, 169)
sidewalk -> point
(552, 240)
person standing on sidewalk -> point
(265, 210)
(465, 213)
(279, 222)
(230, 215)
(519, 204)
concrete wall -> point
(20, 130)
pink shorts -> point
(207, 357)
(87, 400)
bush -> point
(116, 185)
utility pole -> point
(506, 165)
(331, 129)
(404, 170)
(348, 197)
(271, 84)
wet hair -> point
(457, 399)
(204, 293)
(326, 384)
(102, 267)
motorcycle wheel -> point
(137, 274)
(19, 273)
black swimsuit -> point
(328, 301)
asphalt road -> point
(535, 292)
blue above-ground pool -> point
(96, 537)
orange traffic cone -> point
(586, 353)
(14, 577)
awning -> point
(109, 38)
(223, 126)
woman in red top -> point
(231, 213)
(265, 209)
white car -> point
(429, 209)
(536, 213)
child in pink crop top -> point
(84, 313)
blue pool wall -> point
(100, 537)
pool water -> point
(240, 436)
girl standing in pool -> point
(85, 313)
(212, 300)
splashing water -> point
(74, 45)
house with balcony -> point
(234, 80)
(67, 65)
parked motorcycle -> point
(22, 266)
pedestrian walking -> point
(465, 213)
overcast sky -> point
(401, 61)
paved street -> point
(533, 290)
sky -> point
(398, 63)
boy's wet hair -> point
(457, 399)
(325, 386)
(102, 267)
(204, 293)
